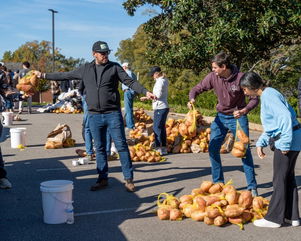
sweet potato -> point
(245, 199)
(241, 135)
(198, 215)
(205, 186)
(215, 188)
(219, 221)
(175, 214)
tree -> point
(282, 71)
(133, 50)
(186, 34)
(39, 56)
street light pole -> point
(53, 12)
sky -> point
(78, 24)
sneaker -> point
(159, 149)
(129, 185)
(99, 185)
(5, 183)
(294, 223)
(254, 192)
(164, 151)
(266, 224)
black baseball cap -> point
(153, 70)
(100, 47)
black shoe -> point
(99, 185)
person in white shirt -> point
(160, 107)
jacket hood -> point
(234, 72)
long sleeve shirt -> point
(132, 75)
(101, 89)
(229, 94)
(160, 90)
(278, 118)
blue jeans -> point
(108, 146)
(87, 131)
(128, 108)
(160, 116)
(113, 123)
(219, 128)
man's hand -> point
(238, 113)
(260, 152)
(143, 98)
(190, 103)
(37, 73)
(150, 96)
(284, 152)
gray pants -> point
(284, 201)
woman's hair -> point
(252, 81)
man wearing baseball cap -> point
(99, 82)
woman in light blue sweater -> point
(282, 132)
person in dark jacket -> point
(225, 80)
(100, 80)
(299, 97)
(25, 69)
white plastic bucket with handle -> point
(7, 118)
(17, 137)
(56, 198)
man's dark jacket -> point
(299, 96)
(102, 94)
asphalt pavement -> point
(113, 213)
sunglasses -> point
(104, 53)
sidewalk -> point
(113, 213)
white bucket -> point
(17, 137)
(56, 198)
(7, 118)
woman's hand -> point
(260, 152)
(190, 103)
(284, 152)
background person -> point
(25, 69)
(100, 80)
(225, 80)
(55, 90)
(129, 96)
(283, 131)
(160, 107)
